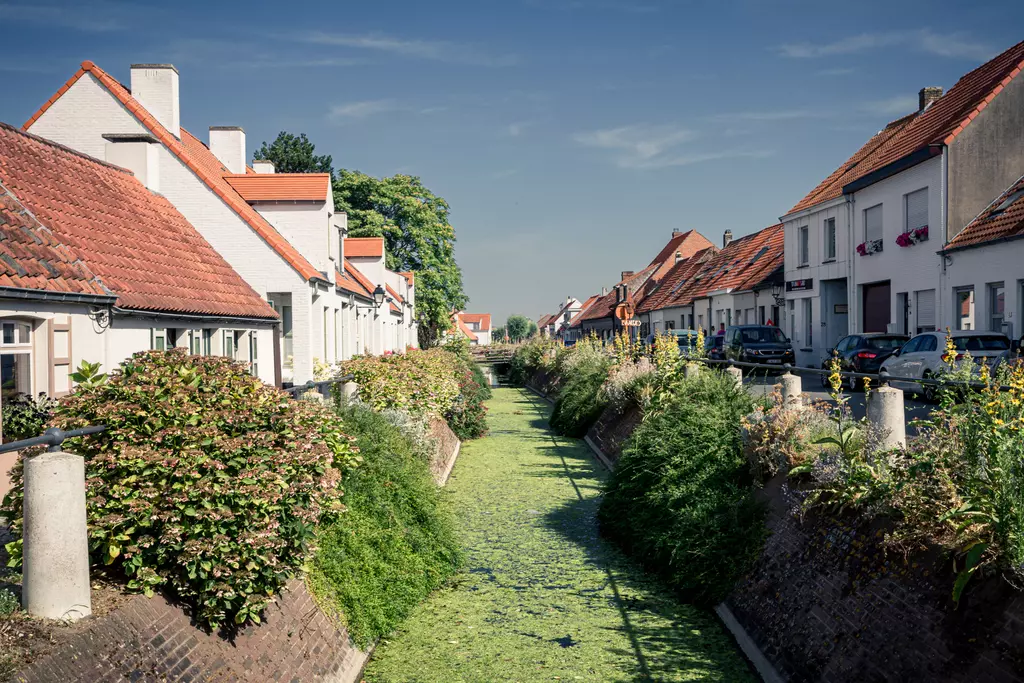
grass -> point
(541, 596)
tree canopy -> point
(294, 154)
(518, 327)
(413, 221)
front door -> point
(877, 307)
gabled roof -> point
(347, 283)
(604, 307)
(686, 244)
(296, 187)
(394, 295)
(76, 224)
(395, 310)
(675, 279)
(546, 320)
(1002, 219)
(363, 281)
(578, 318)
(194, 154)
(410, 277)
(465, 330)
(483, 318)
(364, 247)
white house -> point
(397, 329)
(556, 324)
(478, 326)
(279, 231)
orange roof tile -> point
(395, 295)
(675, 279)
(347, 283)
(194, 154)
(73, 223)
(484, 319)
(465, 330)
(298, 187)
(604, 307)
(410, 277)
(1002, 219)
(363, 281)
(364, 247)
(686, 244)
(395, 309)
(578, 318)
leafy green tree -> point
(294, 154)
(518, 327)
(414, 224)
(498, 334)
(532, 329)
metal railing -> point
(53, 438)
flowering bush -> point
(418, 382)
(869, 247)
(468, 414)
(907, 239)
(630, 382)
(776, 439)
(206, 482)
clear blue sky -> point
(569, 136)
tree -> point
(498, 334)
(414, 224)
(294, 154)
(518, 327)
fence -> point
(55, 556)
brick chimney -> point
(228, 144)
(677, 233)
(926, 96)
(726, 238)
(155, 86)
(626, 273)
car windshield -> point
(988, 342)
(762, 335)
(687, 339)
(715, 342)
(885, 343)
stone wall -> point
(826, 602)
(149, 639)
(611, 431)
(448, 447)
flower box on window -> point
(913, 237)
(869, 247)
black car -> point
(758, 344)
(862, 353)
(715, 347)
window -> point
(287, 335)
(996, 306)
(873, 224)
(830, 239)
(682, 322)
(928, 343)
(670, 324)
(337, 335)
(1007, 203)
(808, 305)
(253, 354)
(16, 359)
(195, 342)
(792, 319)
(924, 302)
(326, 336)
(915, 210)
(963, 312)
(912, 346)
(229, 343)
(803, 245)
(207, 342)
(158, 340)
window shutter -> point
(60, 356)
(873, 223)
(925, 303)
(917, 209)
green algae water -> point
(542, 596)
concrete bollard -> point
(737, 375)
(887, 417)
(691, 370)
(792, 391)
(55, 578)
(349, 391)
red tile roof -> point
(675, 279)
(364, 247)
(295, 187)
(409, 277)
(1004, 218)
(604, 307)
(395, 309)
(363, 281)
(347, 283)
(395, 295)
(465, 330)
(194, 154)
(92, 228)
(483, 318)
(686, 244)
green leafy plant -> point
(396, 544)
(25, 417)
(88, 375)
(8, 602)
(580, 400)
(468, 415)
(206, 483)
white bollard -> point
(887, 417)
(55, 572)
(737, 375)
(792, 391)
(349, 391)
(691, 370)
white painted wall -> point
(307, 226)
(978, 268)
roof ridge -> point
(64, 148)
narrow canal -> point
(542, 597)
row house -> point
(95, 266)
(739, 284)
(555, 325)
(573, 331)
(875, 248)
(475, 326)
(280, 232)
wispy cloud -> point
(238, 56)
(361, 109)
(434, 50)
(516, 129)
(922, 40)
(645, 146)
(97, 18)
(893, 106)
(839, 71)
(767, 115)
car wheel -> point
(929, 392)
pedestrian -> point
(721, 330)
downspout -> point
(853, 304)
(944, 194)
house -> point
(476, 326)
(735, 285)
(398, 331)
(555, 325)
(278, 231)
(924, 177)
(95, 265)
(573, 331)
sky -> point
(570, 137)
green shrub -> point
(420, 382)
(681, 497)
(8, 602)
(468, 415)
(580, 400)
(395, 545)
(207, 482)
(25, 417)
(481, 379)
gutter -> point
(246, 320)
(61, 297)
(891, 169)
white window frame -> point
(229, 336)
(20, 347)
(803, 245)
(957, 318)
(991, 288)
(158, 334)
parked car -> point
(758, 344)
(715, 347)
(686, 339)
(862, 353)
(921, 357)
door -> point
(877, 307)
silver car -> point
(921, 357)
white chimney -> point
(155, 86)
(138, 154)
(679, 256)
(263, 165)
(228, 144)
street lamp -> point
(777, 294)
(378, 295)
